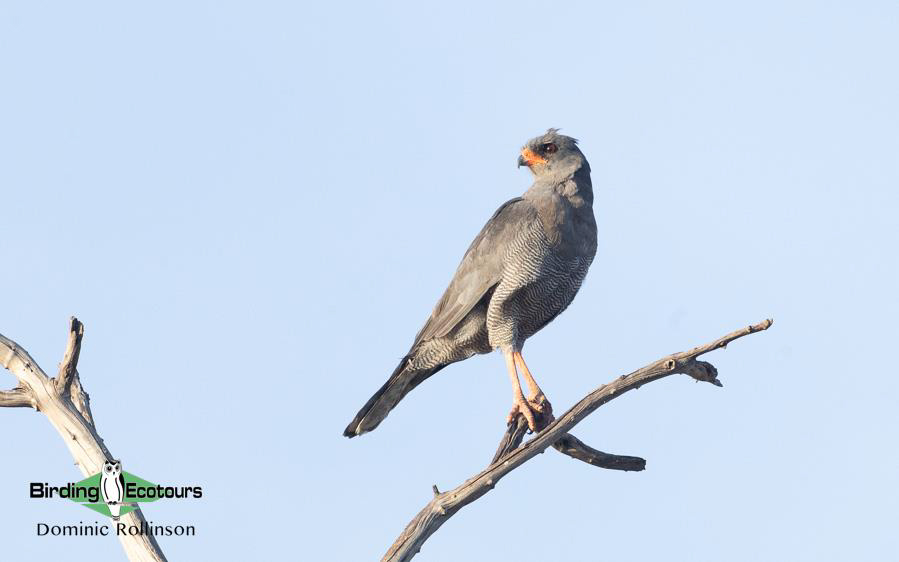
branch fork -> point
(511, 454)
(65, 403)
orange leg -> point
(535, 395)
(520, 405)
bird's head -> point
(552, 154)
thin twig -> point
(445, 505)
(69, 364)
(577, 449)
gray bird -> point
(519, 273)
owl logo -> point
(112, 485)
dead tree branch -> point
(15, 398)
(568, 444)
(66, 405)
(68, 366)
(555, 433)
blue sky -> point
(254, 206)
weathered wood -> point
(446, 504)
(577, 449)
(69, 363)
(567, 445)
(66, 405)
(15, 398)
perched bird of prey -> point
(520, 272)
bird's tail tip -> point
(386, 398)
(354, 429)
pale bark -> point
(63, 401)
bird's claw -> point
(525, 409)
(537, 411)
(540, 404)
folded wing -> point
(481, 268)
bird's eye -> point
(550, 148)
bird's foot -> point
(540, 404)
(537, 411)
(521, 406)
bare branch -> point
(20, 364)
(15, 398)
(518, 427)
(81, 400)
(71, 417)
(577, 449)
(68, 383)
(567, 445)
(69, 364)
(445, 505)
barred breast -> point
(540, 279)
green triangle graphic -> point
(137, 484)
(103, 509)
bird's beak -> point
(529, 158)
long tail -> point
(387, 397)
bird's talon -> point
(539, 403)
(525, 409)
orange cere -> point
(532, 158)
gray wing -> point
(481, 268)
